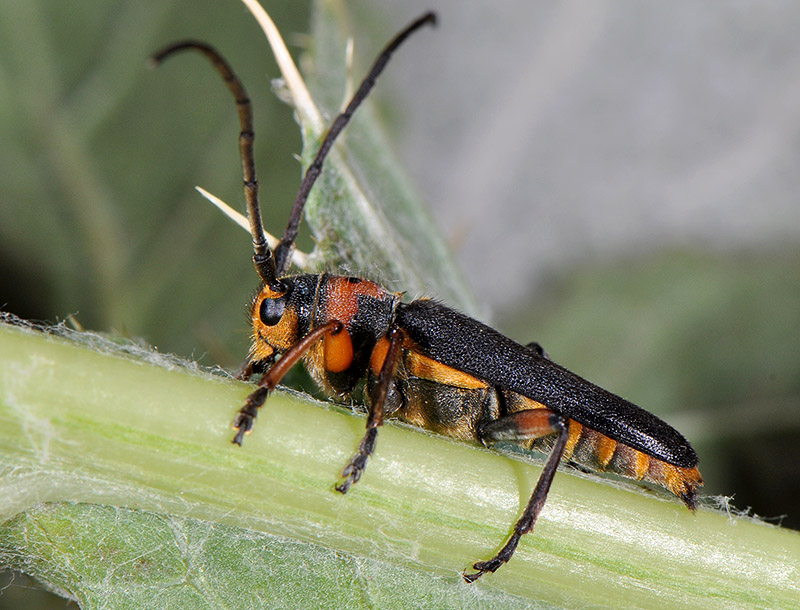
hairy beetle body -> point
(430, 365)
(454, 377)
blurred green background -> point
(99, 219)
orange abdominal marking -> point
(575, 431)
(604, 449)
(427, 368)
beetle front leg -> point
(533, 423)
(355, 468)
(245, 370)
(246, 418)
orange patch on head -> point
(260, 350)
(269, 339)
(269, 293)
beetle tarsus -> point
(246, 418)
(495, 562)
(355, 468)
(535, 504)
(689, 498)
(245, 371)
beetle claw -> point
(352, 472)
(237, 440)
(483, 567)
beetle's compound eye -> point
(271, 310)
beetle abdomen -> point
(458, 341)
(600, 453)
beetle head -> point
(275, 317)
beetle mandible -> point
(428, 364)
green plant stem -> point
(85, 426)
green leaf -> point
(366, 217)
(109, 557)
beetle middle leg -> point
(354, 469)
(528, 424)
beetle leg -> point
(537, 348)
(245, 370)
(355, 468)
(247, 414)
(532, 423)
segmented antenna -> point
(270, 267)
(262, 256)
(284, 250)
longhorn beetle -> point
(427, 364)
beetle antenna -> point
(284, 249)
(263, 259)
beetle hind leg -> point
(533, 423)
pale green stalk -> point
(79, 425)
